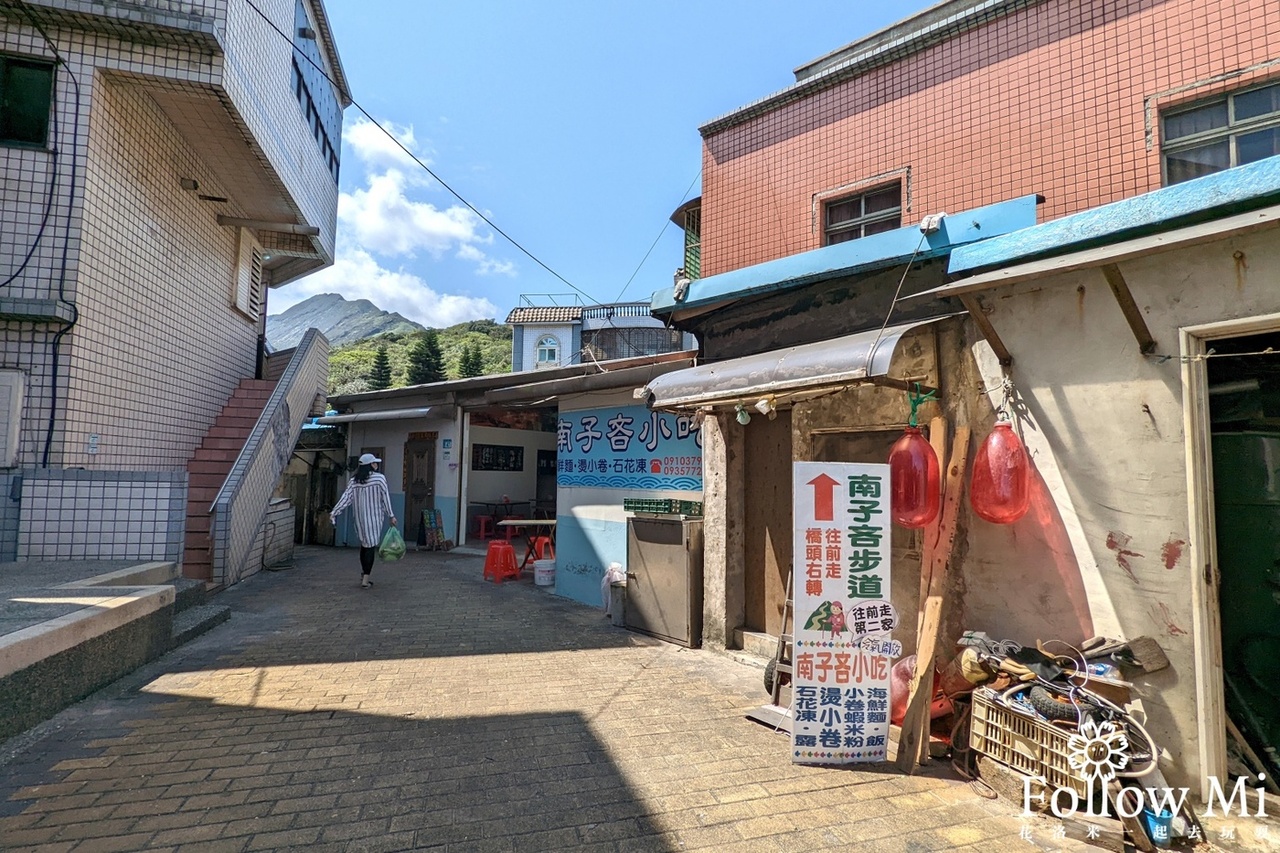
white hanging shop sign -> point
(842, 651)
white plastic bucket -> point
(544, 572)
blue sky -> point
(572, 125)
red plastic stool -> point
(484, 527)
(542, 546)
(500, 562)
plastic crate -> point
(647, 505)
(663, 506)
(1028, 745)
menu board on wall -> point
(497, 457)
(843, 617)
(628, 447)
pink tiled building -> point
(966, 104)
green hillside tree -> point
(426, 364)
(380, 378)
(471, 363)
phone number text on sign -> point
(682, 466)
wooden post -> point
(929, 536)
(913, 742)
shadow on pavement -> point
(193, 771)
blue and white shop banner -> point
(628, 447)
(843, 618)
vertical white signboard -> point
(843, 617)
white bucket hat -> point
(368, 459)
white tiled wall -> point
(70, 515)
(533, 333)
(259, 80)
(157, 348)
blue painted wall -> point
(584, 548)
(517, 349)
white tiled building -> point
(163, 162)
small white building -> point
(551, 330)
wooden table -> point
(530, 528)
(498, 510)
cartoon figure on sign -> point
(829, 617)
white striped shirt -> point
(371, 503)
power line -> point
(454, 192)
(661, 231)
(415, 157)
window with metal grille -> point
(625, 343)
(26, 94)
(693, 242)
(862, 215)
(1229, 130)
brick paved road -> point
(436, 711)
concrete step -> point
(188, 594)
(221, 431)
(204, 479)
(197, 571)
(210, 466)
(232, 444)
(202, 494)
(194, 621)
(196, 539)
(205, 454)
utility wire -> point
(661, 231)
(415, 157)
(458, 195)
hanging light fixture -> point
(744, 417)
(915, 480)
(999, 489)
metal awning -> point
(862, 358)
(385, 415)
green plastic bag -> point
(392, 547)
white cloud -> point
(386, 217)
(484, 264)
(383, 219)
(357, 275)
(378, 152)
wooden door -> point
(767, 539)
(419, 484)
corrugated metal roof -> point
(546, 314)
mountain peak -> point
(341, 321)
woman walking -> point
(368, 495)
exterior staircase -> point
(208, 470)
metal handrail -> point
(242, 502)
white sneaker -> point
(365, 583)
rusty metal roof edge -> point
(862, 356)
